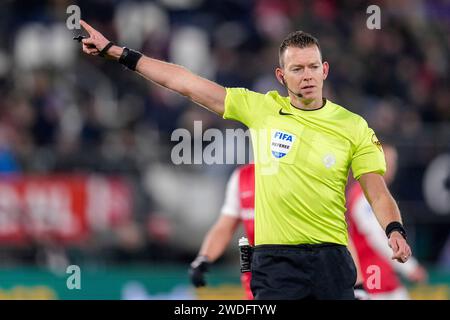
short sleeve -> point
(240, 105)
(231, 205)
(368, 156)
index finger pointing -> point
(87, 27)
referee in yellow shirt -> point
(304, 146)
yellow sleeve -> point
(240, 105)
(368, 156)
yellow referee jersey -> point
(302, 160)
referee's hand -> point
(400, 248)
(197, 271)
(96, 42)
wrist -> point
(395, 226)
(203, 258)
(115, 52)
(201, 262)
(129, 58)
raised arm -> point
(386, 211)
(204, 92)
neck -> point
(307, 104)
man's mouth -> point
(307, 87)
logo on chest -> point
(281, 143)
(329, 160)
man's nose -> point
(307, 75)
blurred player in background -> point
(370, 242)
(239, 206)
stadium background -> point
(85, 145)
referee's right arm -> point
(386, 211)
(204, 92)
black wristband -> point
(105, 49)
(129, 58)
(395, 226)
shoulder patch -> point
(376, 142)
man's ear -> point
(326, 69)
(279, 75)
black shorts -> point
(322, 271)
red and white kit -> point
(240, 203)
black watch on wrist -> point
(396, 226)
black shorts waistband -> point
(304, 246)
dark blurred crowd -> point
(62, 111)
